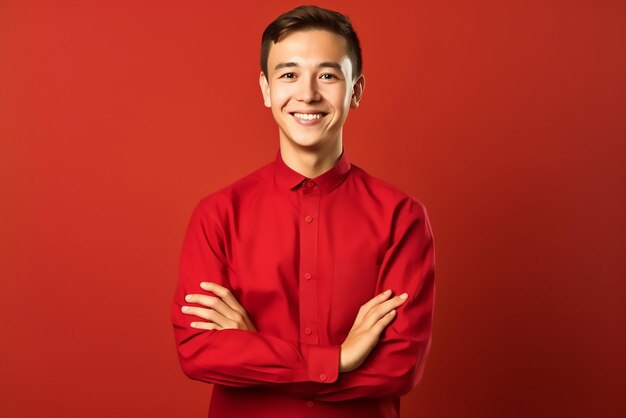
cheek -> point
(279, 97)
(339, 99)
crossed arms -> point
(225, 312)
(383, 354)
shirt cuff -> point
(324, 363)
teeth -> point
(308, 116)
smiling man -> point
(306, 288)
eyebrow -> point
(295, 64)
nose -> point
(308, 90)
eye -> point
(327, 76)
(288, 75)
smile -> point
(308, 116)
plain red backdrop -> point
(506, 118)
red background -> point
(505, 118)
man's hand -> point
(370, 322)
(221, 312)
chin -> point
(313, 144)
(306, 142)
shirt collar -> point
(327, 181)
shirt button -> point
(308, 218)
(307, 276)
(323, 377)
(309, 183)
(309, 404)
(308, 331)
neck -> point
(310, 162)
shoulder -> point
(402, 211)
(221, 201)
(386, 193)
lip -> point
(308, 122)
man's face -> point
(309, 87)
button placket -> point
(309, 228)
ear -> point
(265, 89)
(357, 91)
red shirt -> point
(301, 256)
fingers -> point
(214, 303)
(384, 322)
(225, 294)
(373, 318)
(206, 325)
(372, 312)
(224, 309)
(376, 300)
(210, 315)
(378, 312)
(381, 316)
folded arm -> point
(397, 362)
(235, 357)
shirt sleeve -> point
(235, 357)
(397, 362)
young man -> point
(306, 288)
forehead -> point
(309, 46)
